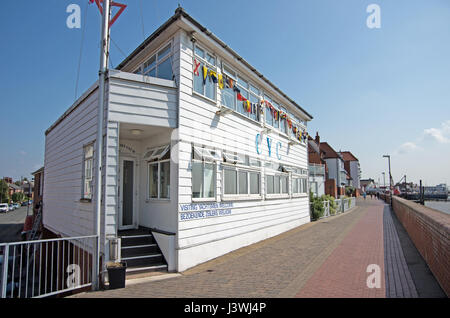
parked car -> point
(24, 203)
(4, 207)
(12, 207)
(16, 205)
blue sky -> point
(371, 91)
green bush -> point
(333, 204)
(317, 208)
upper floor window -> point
(158, 65)
(205, 81)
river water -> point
(443, 206)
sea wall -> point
(429, 230)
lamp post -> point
(390, 175)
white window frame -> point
(238, 196)
(301, 179)
(279, 195)
(84, 178)
(154, 159)
(213, 197)
(209, 66)
(140, 69)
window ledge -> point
(85, 200)
(157, 200)
(299, 195)
(204, 97)
(241, 198)
(277, 196)
(199, 200)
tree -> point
(4, 193)
(18, 197)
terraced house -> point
(202, 155)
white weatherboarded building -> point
(191, 169)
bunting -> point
(226, 82)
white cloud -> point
(407, 147)
(441, 135)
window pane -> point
(165, 70)
(210, 88)
(295, 186)
(197, 179)
(284, 184)
(243, 182)
(151, 63)
(255, 114)
(89, 151)
(241, 106)
(198, 81)
(228, 98)
(165, 180)
(210, 59)
(152, 73)
(269, 184)
(254, 183)
(164, 52)
(254, 89)
(305, 186)
(230, 179)
(276, 184)
(199, 52)
(269, 116)
(153, 180)
(242, 82)
(208, 188)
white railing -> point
(45, 268)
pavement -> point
(11, 224)
(357, 254)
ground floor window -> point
(299, 185)
(238, 181)
(159, 173)
(277, 184)
(204, 172)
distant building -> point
(335, 165)
(317, 167)
(367, 184)
(351, 165)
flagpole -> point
(96, 270)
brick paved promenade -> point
(328, 258)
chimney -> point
(317, 138)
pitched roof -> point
(348, 156)
(328, 151)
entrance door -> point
(127, 194)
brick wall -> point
(430, 231)
(330, 187)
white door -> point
(127, 194)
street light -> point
(390, 175)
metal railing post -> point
(5, 270)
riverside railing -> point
(43, 268)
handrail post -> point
(5, 270)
